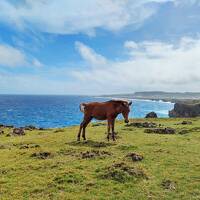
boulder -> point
(135, 156)
(185, 110)
(151, 115)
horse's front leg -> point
(79, 132)
(85, 123)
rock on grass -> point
(135, 156)
(168, 184)
(151, 115)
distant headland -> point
(174, 97)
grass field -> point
(50, 164)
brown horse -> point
(102, 111)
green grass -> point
(50, 164)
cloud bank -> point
(151, 65)
(78, 16)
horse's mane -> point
(118, 101)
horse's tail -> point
(82, 107)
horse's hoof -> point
(78, 139)
(114, 139)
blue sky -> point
(99, 46)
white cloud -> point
(36, 62)
(90, 55)
(75, 16)
(13, 57)
(151, 66)
(10, 56)
(186, 2)
(130, 45)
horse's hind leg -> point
(113, 131)
(108, 129)
(85, 123)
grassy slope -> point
(65, 175)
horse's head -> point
(125, 109)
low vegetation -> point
(50, 164)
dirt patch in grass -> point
(2, 146)
(86, 154)
(167, 130)
(69, 177)
(94, 154)
(121, 172)
(59, 130)
(186, 131)
(135, 157)
(142, 125)
(195, 129)
(68, 152)
(3, 171)
(1, 131)
(26, 145)
(101, 144)
(42, 155)
(91, 143)
(161, 151)
(29, 146)
(127, 147)
(168, 184)
(16, 132)
(184, 123)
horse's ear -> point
(130, 103)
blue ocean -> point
(49, 111)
